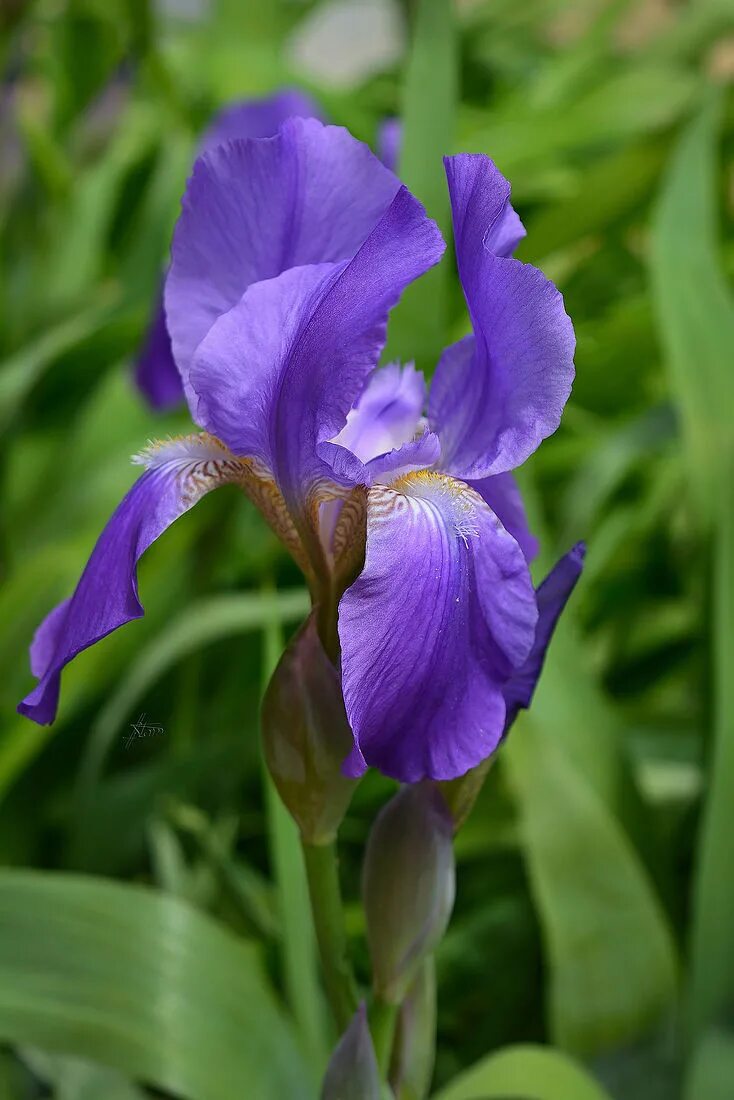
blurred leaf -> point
(694, 304)
(73, 1079)
(524, 1073)
(143, 983)
(600, 915)
(22, 371)
(203, 622)
(696, 313)
(418, 324)
(300, 966)
(712, 1068)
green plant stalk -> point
(383, 1021)
(300, 972)
(322, 873)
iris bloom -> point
(156, 373)
(399, 506)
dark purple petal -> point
(389, 140)
(258, 118)
(440, 618)
(498, 393)
(552, 597)
(180, 472)
(253, 209)
(503, 496)
(155, 371)
(277, 374)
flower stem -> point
(322, 872)
(383, 1018)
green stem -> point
(322, 872)
(383, 1019)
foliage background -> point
(596, 887)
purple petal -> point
(552, 597)
(503, 496)
(438, 621)
(498, 393)
(389, 140)
(278, 373)
(258, 118)
(179, 473)
(386, 414)
(156, 373)
(253, 209)
(418, 454)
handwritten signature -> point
(142, 728)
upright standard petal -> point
(253, 209)
(439, 620)
(258, 118)
(386, 414)
(277, 374)
(552, 597)
(503, 496)
(498, 393)
(179, 473)
(156, 373)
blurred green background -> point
(595, 907)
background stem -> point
(322, 872)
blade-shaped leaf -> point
(524, 1073)
(143, 983)
(611, 955)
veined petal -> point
(503, 496)
(253, 209)
(179, 472)
(277, 374)
(552, 597)
(438, 621)
(386, 414)
(418, 454)
(156, 373)
(498, 393)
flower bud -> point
(306, 736)
(352, 1073)
(411, 1068)
(408, 886)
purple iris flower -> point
(399, 506)
(155, 371)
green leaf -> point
(203, 622)
(524, 1073)
(711, 1075)
(300, 966)
(612, 960)
(694, 305)
(696, 313)
(142, 983)
(418, 324)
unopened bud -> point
(408, 886)
(352, 1073)
(306, 736)
(411, 1068)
